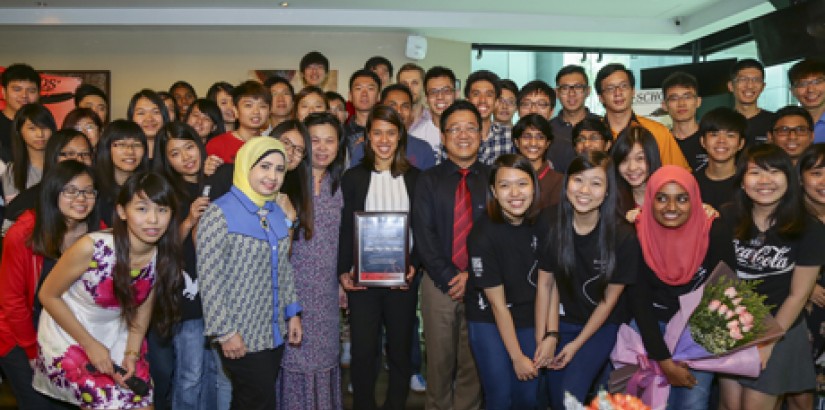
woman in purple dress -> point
(311, 378)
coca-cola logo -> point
(767, 260)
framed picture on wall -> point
(294, 78)
(57, 88)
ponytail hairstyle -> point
(165, 312)
(562, 232)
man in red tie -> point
(449, 197)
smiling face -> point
(810, 91)
(414, 80)
(97, 104)
(671, 205)
(813, 182)
(747, 86)
(792, 134)
(722, 145)
(201, 122)
(294, 146)
(252, 113)
(634, 167)
(765, 187)
(587, 190)
(400, 102)
(324, 145)
(681, 103)
(440, 94)
(462, 137)
(19, 93)
(88, 127)
(589, 141)
(267, 175)
(184, 97)
(533, 144)
(617, 93)
(224, 100)
(482, 94)
(311, 103)
(572, 90)
(282, 100)
(536, 103)
(77, 149)
(148, 116)
(505, 107)
(145, 220)
(314, 74)
(77, 207)
(184, 157)
(35, 137)
(127, 154)
(513, 189)
(383, 139)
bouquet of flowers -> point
(606, 401)
(730, 315)
(721, 336)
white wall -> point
(155, 57)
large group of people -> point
(198, 253)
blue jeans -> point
(502, 389)
(684, 398)
(196, 377)
(585, 366)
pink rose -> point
(723, 309)
(735, 334)
(733, 324)
(730, 292)
(729, 314)
(746, 329)
(713, 305)
(746, 319)
(740, 309)
(737, 301)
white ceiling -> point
(642, 24)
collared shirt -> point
(498, 142)
(432, 216)
(561, 151)
(819, 129)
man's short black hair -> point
(508, 84)
(395, 87)
(593, 124)
(572, 69)
(20, 72)
(723, 119)
(85, 90)
(459, 105)
(792, 110)
(332, 96)
(679, 79)
(535, 121)
(183, 84)
(438, 71)
(482, 75)
(608, 70)
(746, 63)
(364, 73)
(276, 79)
(804, 68)
(314, 57)
(376, 61)
(537, 86)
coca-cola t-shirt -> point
(772, 259)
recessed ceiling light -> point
(284, 4)
(41, 4)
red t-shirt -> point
(224, 146)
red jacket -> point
(19, 274)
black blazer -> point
(354, 186)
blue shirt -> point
(819, 129)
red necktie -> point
(462, 221)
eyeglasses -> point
(440, 91)
(74, 155)
(508, 102)
(587, 138)
(575, 88)
(784, 132)
(71, 192)
(85, 127)
(808, 83)
(456, 130)
(292, 148)
(125, 145)
(677, 98)
(526, 105)
(748, 80)
(533, 137)
(613, 87)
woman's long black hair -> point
(563, 232)
(634, 134)
(117, 130)
(41, 117)
(160, 162)
(298, 182)
(165, 313)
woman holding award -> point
(384, 181)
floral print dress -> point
(60, 369)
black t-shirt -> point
(504, 254)
(654, 301)
(580, 294)
(190, 301)
(693, 151)
(756, 131)
(6, 126)
(715, 193)
(772, 259)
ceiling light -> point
(284, 4)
